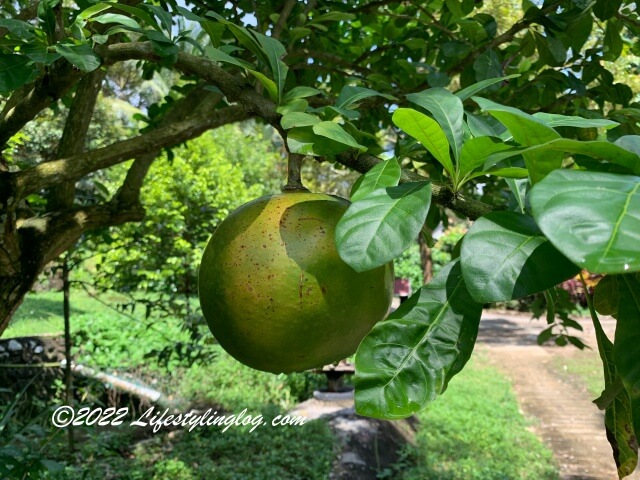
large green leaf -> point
(555, 120)
(591, 217)
(304, 141)
(476, 151)
(615, 400)
(486, 126)
(116, 18)
(298, 119)
(447, 110)
(504, 256)
(630, 143)
(407, 361)
(300, 92)
(528, 131)
(82, 56)
(350, 95)
(336, 133)
(15, 71)
(381, 225)
(608, 151)
(218, 55)
(471, 90)
(384, 174)
(428, 132)
(626, 346)
(274, 52)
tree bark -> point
(425, 260)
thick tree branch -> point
(441, 194)
(54, 233)
(28, 101)
(235, 89)
(74, 134)
(48, 174)
(198, 101)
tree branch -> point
(198, 101)
(75, 133)
(48, 174)
(441, 194)
(54, 233)
(235, 89)
(282, 19)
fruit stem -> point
(294, 180)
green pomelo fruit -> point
(274, 291)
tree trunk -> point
(12, 291)
(425, 257)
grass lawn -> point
(584, 366)
(474, 431)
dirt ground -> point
(562, 412)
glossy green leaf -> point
(447, 110)
(336, 133)
(630, 143)
(626, 346)
(505, 256)
(334, 17)
(350, 95)
(599, 149)
(506, 172)
(300, 92)
(298, 119)
(82, 56)
(486, 126)
(274, 52)
(116, 18)
(407, 361)
(605, 9)
(475, 152)
(91, 11)
(471, 90)
(618, 419)
(555, 120)
(528, 131)
(487, 67)
(164, 16)
(519, 191)
(426, 131)
(138, 13)
(304, 141)
(612, 41)
(218, 55)
(381, 225)
(384, 174)
(591, 217)
(15, 71)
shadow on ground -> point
(500, 331)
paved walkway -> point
(562, 413)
